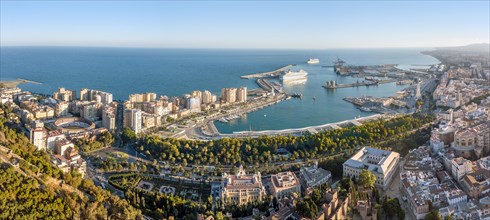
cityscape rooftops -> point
(284, 179)
(375, 160)
(242, 180)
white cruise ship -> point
(313, 61)
(294, 76)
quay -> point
(274, 73)
(256, 92)
(355, 101)
(369, 82)
(215, 134)
(268, 86)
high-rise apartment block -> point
(95, 95)
(145, 97)
(109, 118)
(65, 95)
(37, 135)
(241, 94)
(228, 95)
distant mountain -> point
(480, 47)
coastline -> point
(311, 129)
(14, 83)
(228, 77)
(288, 131)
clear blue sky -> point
(245, 24)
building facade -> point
(284, 184)
(241, 94)
(313, 176)
(381, 163)
(241, 188)
(65, 95)
(460, 167)
(37, 135)
(228, 95)
(144, 97)
(109, 118)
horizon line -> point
(235, 48)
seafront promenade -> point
(293, 131)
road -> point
(394, 190)
(101, 180)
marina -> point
(229, 118)
(368, 82)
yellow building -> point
(145, 97)
(241, 188)
(65, 95)
(241, 94)
(228, 95)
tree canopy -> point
(367, 179)
(232, 151)
(31, 192)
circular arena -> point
(73, 125)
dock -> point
(333, 84)
(355, 101)
(268, 86)
(256, 92)
(274, 73)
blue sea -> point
(174, 72)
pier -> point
(274, 73)
(268, 86)
(369, 82)
(355, 101)
(256, 92)
(333, 85)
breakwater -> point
(274, 73)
